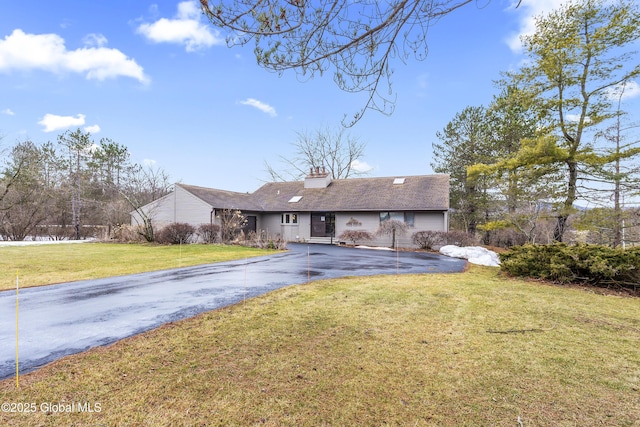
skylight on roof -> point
(295, 199)
(398, 181)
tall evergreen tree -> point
(578, 54)
(524, 188)
(465, 141)
(77, 147)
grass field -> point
(46, 264)
(469, 349)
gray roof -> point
(416, 193)
(222, 199)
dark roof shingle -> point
(417, 193)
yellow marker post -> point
(17, 353)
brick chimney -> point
(317, 178)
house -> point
(317, 209)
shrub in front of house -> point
(427, 239)
(264, 240)
(394, 228)
(594, 265)
(208, 233)
(127, 234)
(176, 233)
(355, 236)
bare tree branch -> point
(356, 39)
(333, 149)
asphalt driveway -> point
(58, 320)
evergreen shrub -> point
(594, 265)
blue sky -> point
(157, 78)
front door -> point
(250, 225)
(323, 224)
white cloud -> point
(149, 163)
(22, 51)
(575, 118)
(95, 40)
(186, 29)
(265, 108)
(528, 11)
(52, 122)
(359, 166)
(92, 129)
(628, 90)
(8, 112)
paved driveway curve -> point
(58, 320)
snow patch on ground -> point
(474, 254)
(41, 242)
(380, 248)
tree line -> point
(551, 138)
(556, 134)
(73, 188)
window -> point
(398, 216)
(406, 217)
(409, 218)
(289, 218)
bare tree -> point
(336, 150)
(24, 199)
(232, 221)
(11, 173)
(145, 185)
(618, 174)
(393, 228)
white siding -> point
(178, 206)
(190, 209)
(304, 220)
(430, 221)
(290, 232)
(424, 221)
(160, 211)
(370, 222)
(270, 225)
(435, 221)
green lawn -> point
(469, 349)
(46, 264)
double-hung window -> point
(289, 218)
(406, 217)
